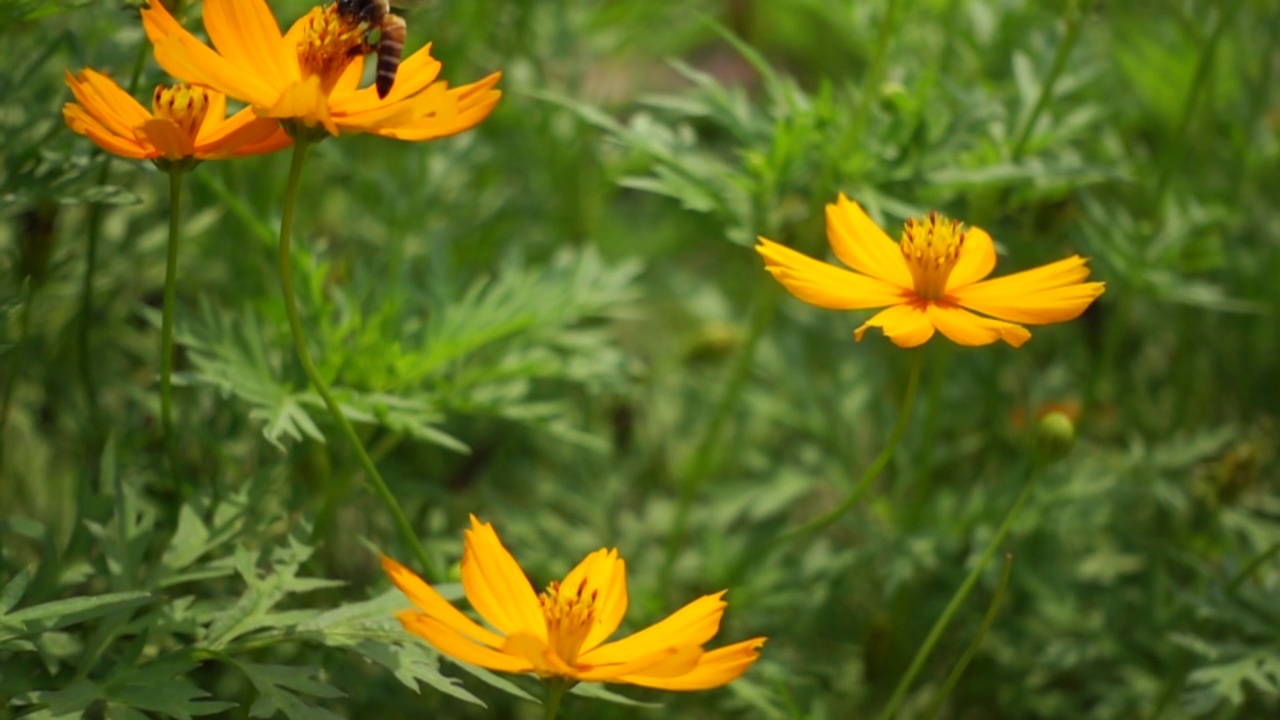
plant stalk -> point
(407, 534)
(166, 324)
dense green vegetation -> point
(556, 322)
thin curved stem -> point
(987, 621)
(949, 613)
(873, 470)
(1075, 20)
(410, 538)
(166, 324)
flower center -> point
(329, 43)
(570, 616)
(185, 105)
(931, 247)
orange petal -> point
(415, 74)
(304, 101)
(862, 245)
(965, 328)
(604, 575)
(1051, 293)
(81, 122)
(663, 662)
(444, 639)
(693, 624)
(977, 259)
(907, 325)
(432, 604)
(167, 138)
(496, 586)
(538, 653)
(248, 36)
(102, 98)
(714, 669)
(461, 109)
(241, 135)
(824, 285)
(183, 56)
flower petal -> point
(304, 101)
(538, 653)
(461, 109)
(496, 586)
(965, 328)
(242, 134)
(448, 642)
(714, 669)
(863, 246)
(1051, 293)
(415, 74)
(183, 56)
(907, 325)
(107, 102)
(603, 574)
(81, 122)
(693, 624)
(432, 604)
(977, 259)
(824, 285)
(663, 662)
(248, 36)
(167, 138)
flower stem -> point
(935, 706)
(1074, 21)
(19, 359)
(949, 613)
(555, 692)
(408, 536)
(166, 324)
(873, 470)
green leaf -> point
(1230, 681)
(13, 591)
(278, 689)
(60, 613)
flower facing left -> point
(560, 633)
(184, 122)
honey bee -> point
(391, 28)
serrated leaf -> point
(1231, 681)
(158, 688)
(278, 686)
(599, 692)
(60, 613)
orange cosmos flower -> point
(185, 122)
(311, 73)
(561, 633)
(929, 281)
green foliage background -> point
(555, 322)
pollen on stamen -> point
(185, 105)
(329, 43)
(931, 247)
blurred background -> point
(556, 322)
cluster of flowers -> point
(304, 84)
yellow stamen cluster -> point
(329, 43)
(569, 616)
(186, 105)
(931, 247)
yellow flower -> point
(561, 633)
(311, 73)
(185, 122)
(929, 281)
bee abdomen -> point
(390, 47)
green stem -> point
(19, 359)
(410, 538)
(1174, 153)
(875, 75)
(555, 693)
(873, 470)
(166, 323)
(987, 621)
(704, 458)
(948, 614)
(1075, 21)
